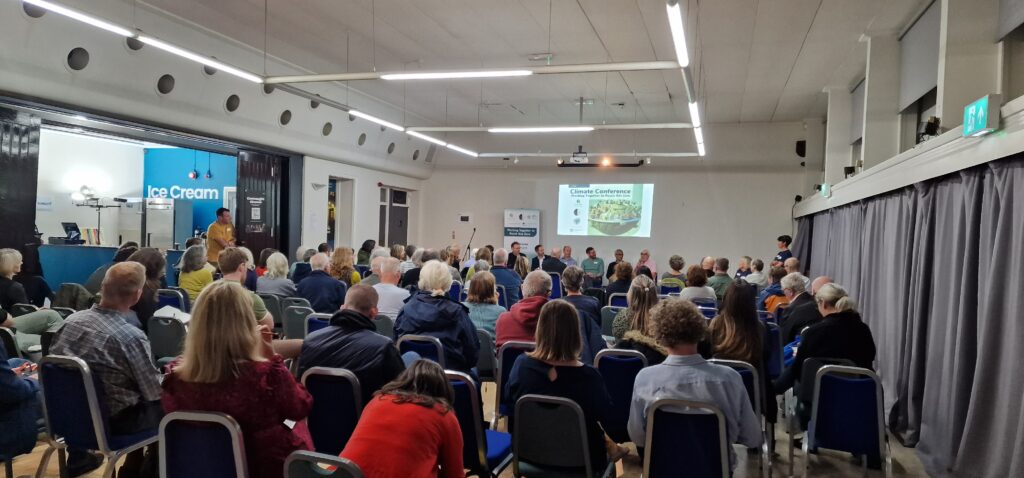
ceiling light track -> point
(479, 73)
(675, 23)
(548, 129)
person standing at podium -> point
(220, 235)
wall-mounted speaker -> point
(801, 148)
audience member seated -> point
(641, 297)
(507, 278)
(643, 271)
(840, 335)
(261, 262)
(409, 428)
(589, 310)
(646, 261)
(482, 300)
(757, 276)
(196, 272)
(343, 268)
(696, 285)
(275, 280)
(412, 276)
(620, 281)
(454, 251)
(302, 269)
(520, 322)
(478, 266)
(19, 405)
(792, 265)
(374, 277)
(784, 253)
(92, 284)
(404, 254)
(554, 369)
(29, 326)
(567, 256)
(444, 256)
(156, 266)
(324, 293)
(772, 296)
(613, 264)
(737, 333)
(118, 353)
(391, 298)
(802, 311)
(522, 267)
(708, 265)
(743, 269)
(363, 257)
(229, 366)
(233, 265)
(553, 262)
(483, 254)
(634, 324)
(676, 276)
(685, 375)
(250, 281)
(352, 342)
(721, 280)
(431, 312)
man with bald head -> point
(351, 342)
(376, 259)
(792, 265)
(803, 310)
(324, 293)
(391, 297)
(708, 264)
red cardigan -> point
(406, 441)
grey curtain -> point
(938, 271)
(802, 242)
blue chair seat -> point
(123, 441)
(499, 446)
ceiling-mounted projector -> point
(579, 157)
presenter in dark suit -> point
(539, 259)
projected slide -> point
(622, 210)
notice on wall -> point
(522, 226)
(255, 205)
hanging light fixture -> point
(209, 170)
(194, 173)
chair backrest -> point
(64, 312)
(72, 403)
(809, 371)
(316, 322)
(608, 314)
(18, 310)
(308, 464)
(766, 316)
(708, 312)
(847, 411)
(364, 270)
(467, 410)
(428, 347)
(455, 291)
(294, 321)
(556, 285)
(502, 296)
(337, 404)
(10, 342)
(73, 296)
(597, 293)
(670, 287)
(507, 355)
(487, 364)
(704, 302)
(751, 381)
(184, 295)
(773, 340)
(287, 302)
(619, 368)
(385, 326)
(201, 445)
(172, 298)
(166, 336)
(685, 435)
(618, 299)
(273, 303)
(550, 432)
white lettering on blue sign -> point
(178, 192)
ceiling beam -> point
(537, 70)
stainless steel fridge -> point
(166, 223)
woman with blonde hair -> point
(275, 280)
(522, 266)
(196, 272)
(632, 325)
(429, 311)
(482, 300)
(484, 254)
(229, 366)
(553, 368)
(343, 267)
(29, 326)
(250, 269)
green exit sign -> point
(981, 117)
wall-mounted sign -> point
(254, 212)
(44, 203)
(981, 116)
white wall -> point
(365, 201)
(697, 212)
(67, 162)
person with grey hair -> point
(275, 280)
(431, 312)
(420, 257)
(196, 272)
(743, 269)
(757, 275)
(589, 310)
(374, 277)
(520, 322)
(391, 297)
(300, 270)
(506, 277)
(324, 293)
(802, 311)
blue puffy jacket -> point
(441, 317)
(19, 411)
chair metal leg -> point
(44, 461)
(9, 468)
(62, 463)
(111, 468)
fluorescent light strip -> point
(543, 129)
(463, 150)
(360, 114)
(694, 114)
(96, 22)
(700, 149)
(443, 75)
(210, 62)
(675, 22)
(426, 138)
(699, 135)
